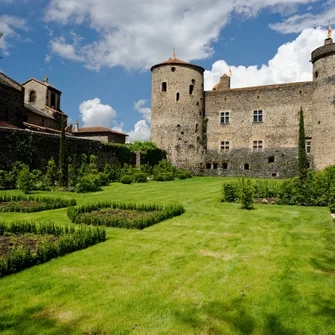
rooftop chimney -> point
(76, 126)
(46, 79)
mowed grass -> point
(216, 269)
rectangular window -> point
(164, 86)
(258, 116)
(224, 146)
(308, 146)
(257, 146)
(224, 117)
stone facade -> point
(251, 131)
(11, 101)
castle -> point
(251, 131)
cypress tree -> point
(63, 167)
(302, 155)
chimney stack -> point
(76, 126)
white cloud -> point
(141, 132)
(68, 51)
(297, 23)
(94, 113)
(138, 34)
(9, 26)
(145, 111)
(290, 64)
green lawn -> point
(216, 269)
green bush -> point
(20, 203)
(158, 213)
(182, 175)
(69, 239)
(140, 177)
(88, 183)
(126, 179)
(267, 188)
(169, 176)
(25, 181)
(230, 192)
(7, 180)
(246, 195)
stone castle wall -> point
(41, 94)
(36, 148)
(278, 131)
(11, 104)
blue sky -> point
(99, 52)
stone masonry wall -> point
(177, 124)
(41, 94)
(36, 148)
(11, 105)
(278, 131)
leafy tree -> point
(302, 155)
(63, 166)
(25, 181)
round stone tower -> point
(323, 125)
(177, 115)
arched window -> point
(32, 97)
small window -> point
(225, 166)
(173, 69)
(53, 100)
(177, 96)
(164, 86)
(271, 159)
(275, 174)
(191, 89)
(215, 166)
(258, 116)
(32, 97)
(208, 166)
(308, 146)
(224, 147)
(246, 166)
(257, 146)
(224, 117)
(193, 81)
(308, 165)
(316, 74)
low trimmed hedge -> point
(80, 214)
(70, 239)
(44, 203)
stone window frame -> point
(32, 92)
(257, 116)
(224, 117)
(224, 146)
(257, 145)
(308, 144)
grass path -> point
(216, 269)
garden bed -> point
(24, 244)
(123, 215)
(28, 204)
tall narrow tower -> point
(323, 126)
(177, 116)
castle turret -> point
(323, 126)
(177, 117)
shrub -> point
(246, 193)
(20, 203)
(157, 213)
(88, 183)
(7, 180)
(160, 177)
(25, 181)
(169, 176)
(126, 179)
(69, 240)
(230, 192)
(140, 177)
(267, 188)
(182, 175)
(51, 174)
